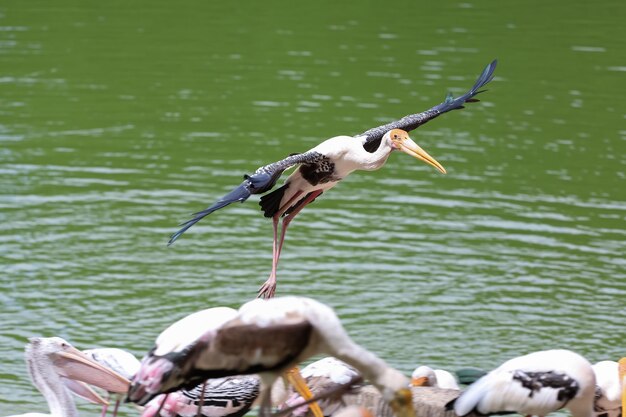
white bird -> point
(535, 384)
(52, 362)
(428, 377)
(323, 166)
(118, 360)
(325, 375)
(266, 337)
(608, 399)
(231, 396)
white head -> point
(423, 376)
(400, 140)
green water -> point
(118, 119)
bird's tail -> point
(451, 103)
(241, 193)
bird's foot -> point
(268, 289)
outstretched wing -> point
(261, 181)
(413, 121)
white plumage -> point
(608, 399)
(325, 375)
(426, 376)
(535, 384)
(52, 362)
(266, 337)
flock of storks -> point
(219, 362)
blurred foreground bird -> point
(220, 397)
(328, 374)
(56, 367)
(323, 166)
(267, 337)
(535, 384)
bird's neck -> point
(49, 383)
(373, 368)
(371, 161)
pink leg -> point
(293, 214)
(269, 287)
(117, 405)
(104, 409)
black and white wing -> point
(413, 121)
(261, 181)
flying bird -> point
(533, 385)
(322, 167)
(266, 337)
(56, 367)
(425, 376)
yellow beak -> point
(409, 147)
(419, 382)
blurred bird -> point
(322, 167)
(608, 398)
(535, 384)
(118, 360)
(325, 375)
(428, 377)
(53, 363)
(266, 337)
(231, 396)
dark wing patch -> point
(413, 121)
(319, 171)
(279, 343)
(261, 181)
(565, 385)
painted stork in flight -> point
(322, 167)
(266, 337)
(533, 385)
(56, 368)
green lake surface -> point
(118, 119)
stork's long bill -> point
(404, 143)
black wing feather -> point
(261, 181)
(413, 121)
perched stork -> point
(323, 166)
(425, 376)
(608, 399)
(322, 376)
(118, 360)
(52, 362)
(535, 384)
(266, 337)
(231, 396)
